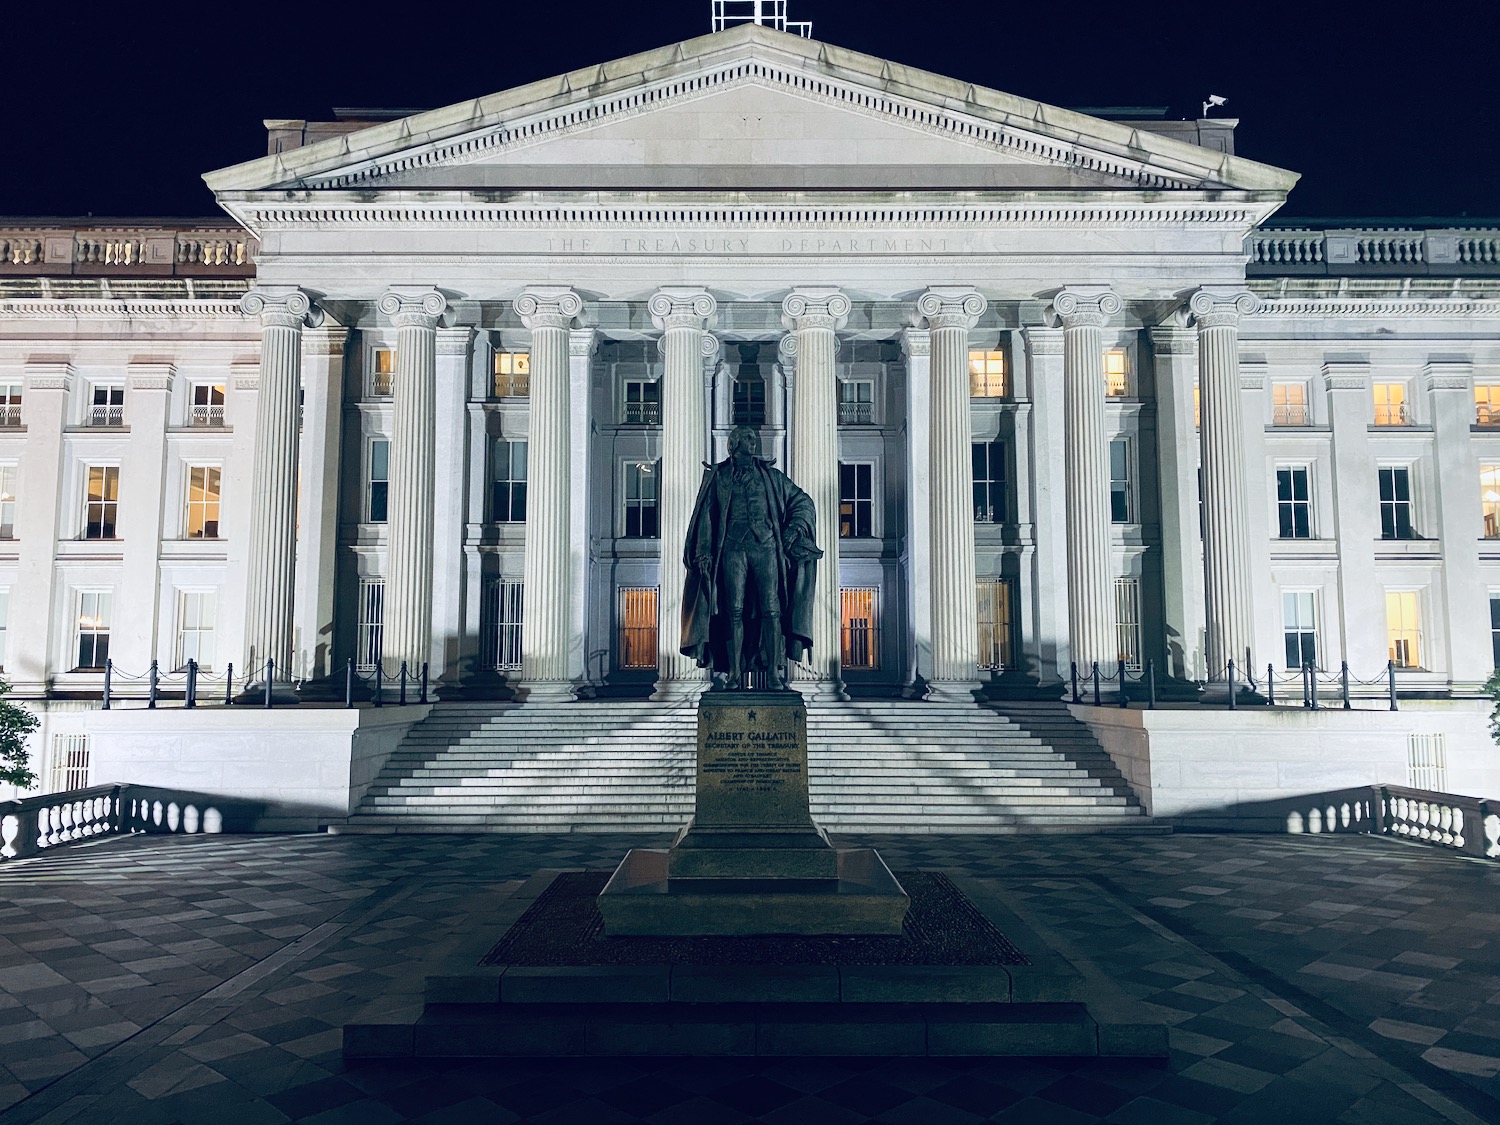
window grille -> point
(642, 402)
(987, 375)
(1289, 404)
(749, 399)
(1495, 628)
(856, 402)
(70, 763)
(106, 405)
(1487, 404)
(93, 628)
(638, 626)
(512, 374)
(1128, 622)
(207, 407)
(1427, 762)
(10, 405)
(856, 500)
(1489, 498)
(369, 626)
(503, 614)
(4, 624)
(382, 372)
(860, 628)
(993, 600)
(1116, 373)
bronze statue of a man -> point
(751, 556)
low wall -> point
(1250, 770)
(303, 765)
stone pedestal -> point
(752, 860)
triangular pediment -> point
(751, 109)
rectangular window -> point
(207, 406)
(640, 501)
(638, 626)
(102, 502)
(508, 481)
(368, 626)
(1495, 628)
(1299, 628)
(989, 481)
(1487, 404)
(8, 501)
(856, 500)
(749, 400)
(1489, 498)
(70, 763)
(642, 402)
(993, 601)
(860, 632)
(202, 502)
(1395, 503)
(10, 405)
(380, 480)
(4, 623)
(1390, 404)
(106, 404)
(1289, 404)
(1116, 373)
(1293, 505)
(1403, 628)
(503, 612)
(93, 628)
(856, 402)
(1197, 406)
(382, 372)
(987, 375)
(195, 628)
(1119, 481)
(512, 374)
(1128, 622)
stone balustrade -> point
(1372, 250)
(186, 250)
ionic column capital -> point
(1085, 306)
(548, 307)
(281, 306)
(708, 346)
(412, 306)
(1216, 306)
(786, 350)
(815, 307)
(951, 307)
(681, 307)
(916, 342)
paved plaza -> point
(186, 979)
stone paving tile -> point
(206, 978)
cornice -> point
(1378, 308)
(43, 308)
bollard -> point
(379, 682)
(1312, 679)
(402, 697)
(1390, 677)
(151, 683)
(349, 683)
(1231, 686)
(109, 671)
(1151, 682)
(1073, 671)
(1124, 702)
(190, 693)
(423, 697)
(1344, 682)
(1096, 683)
(1270, 685)
(229, 686)
(270, 675)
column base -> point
(546, 691)
(953, 691)
(679, 691)
(820, 691)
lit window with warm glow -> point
(859, 632)
(1116, 373)
(102, 502)
(1403, 628)
(1197, 407)
(1289, 404)
(1487, 404)
(202, 502)
(987, 376)
(512, 374)
(93, 628)
(1391, 405)
(382, 372)
(638, 626)
(1489, 499)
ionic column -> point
(1174, 348)
(1091, 605)
(916, 345)
(548, 312)
(271, 564)
(816, 315)
(318, 525)
(582, 344)
(450, 639)
(1226, 553)
(954, 674)
(407, 622)
(681, 314)
(1047, 606)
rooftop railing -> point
(177, 250)
(1375, 251)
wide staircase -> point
(874, 766)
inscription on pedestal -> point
(752, 762)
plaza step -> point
(874, 766)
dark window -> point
(749, 399)
(380, 480)
(1119, 481)
(1293, 508)
(1395, 503)
(989, 482)
(640, 501)
(856, 501)
(508, 482)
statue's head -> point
(744, 441)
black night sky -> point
(116, 110)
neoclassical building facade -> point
(1060, 394)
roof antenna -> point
(767, 13)
(1213, 100)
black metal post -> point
(1270, 685)
(1124, 702)
(229, 686)
(109, 671)
(151, 682)
(270, 675)
(1390, 677)
(1312, 679)
(1073, 670)
(349, 683)
(423, 697)
(1151, 681)
(379, 683)
(1231, 686)
(1344, 682)
(190, 695)
(402, 697)
(1096, 683)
